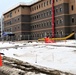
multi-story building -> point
(0, 28)
(35, 21)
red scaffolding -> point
(53, 19)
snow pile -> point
(10, 44)
(47, 55)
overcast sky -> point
(6, 4)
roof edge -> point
(21, 4)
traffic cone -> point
(0, 60)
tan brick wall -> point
(25, 10)
(72, 2)
(15, 13)
(47, 6)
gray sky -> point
(6, 4)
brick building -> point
(34, 21)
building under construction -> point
(56, 18)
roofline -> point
(14, 7)
(36, 2)
(21, 4)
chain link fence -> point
(33, 37)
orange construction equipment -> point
(47, 40)
(0, 60)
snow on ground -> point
(45, 54)
(9, 44)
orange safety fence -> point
(0, 60)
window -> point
(72, 7)
(56, 0)
(57, 10)
(47, 13)
(57, 21)
(60, 9)
(15, 28)
(57, 33)
(44, 4)
(10, 29)
(18, 18)
(50, 1)
(39, 5)
(15, 20)
(32, 27)
(37, 26)
(50, 23)
(18, 10)
(10, 22)
(61, 32)
(35, 8)
(7, 16)
(44, 24)
(47, 2)
(44, 14)
(47, 23)
(61, 20)
(37, 16)
(18, 27)
(15, 11)
(50, 12)
(10, 14)
(72, 20)
(31, 9)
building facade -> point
(35, 21)
(1, 26)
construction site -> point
(38, 58)
(39, 39)
(55, 18)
